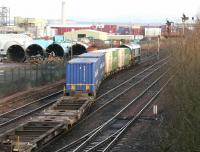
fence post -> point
(36, 73)
(5, 75)
(51, 69)
(30, 78)
(25, 72)
(18, 73)
(12, 71)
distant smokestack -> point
(63, 13)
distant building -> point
(36, 27)
(78, 34)
(121, 37)
(94, 34)
(11, 29)
(152, 31)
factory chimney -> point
(63, 12)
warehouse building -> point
(152, 31)
(84, 33)
(120, 37)
(78, 34)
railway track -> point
(29, 97)
(103, 137)
(111, 95)
(29, 108)
(11, 117)
(114, 97)
(123, 75)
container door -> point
(81, 77)
(89, 77)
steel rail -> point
(97, 130)
(30, 112)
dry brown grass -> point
(181, 133)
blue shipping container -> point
(58, 38)
(99, 55)
(84, 75)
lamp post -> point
(158, 51)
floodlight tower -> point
(4, 16)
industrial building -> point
(36, 27)
(152, 31)
(78, 34)
(85, 33)
(11, 29)
(120, 37)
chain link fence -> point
(28, 76)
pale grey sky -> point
(105, 10)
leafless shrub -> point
(181, 133)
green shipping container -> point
(114, 59)
(127, 56)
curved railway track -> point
(9, 118)
(18, 113)
(114, 93)
(113, 98)
(104, 136)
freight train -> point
(83, 77)
(85, 73)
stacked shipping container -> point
(85, 73)
(108, 60)
(61, 30)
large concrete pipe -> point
(34, 50)
(14, 52)
(37, 48)
(78, 48)
(12, 46)
(59, 49)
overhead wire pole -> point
(183, 27)
(148, 41)
(158, 51)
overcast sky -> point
(105, 10)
